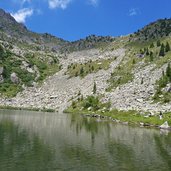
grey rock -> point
(165, 125)
(1, 70)
(1, 79)
(14, 78)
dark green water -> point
(31, 141)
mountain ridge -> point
(130, 72)
(154, 30)
(12, 28)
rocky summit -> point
(42, 71)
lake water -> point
(35, 141)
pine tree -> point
(158, 43)
(82, 98)
(147, 52)
(152, 45)
(168, 70)
(167, 49)
(141, 51)
(151, 56)
(163, 74)
(94, 88)
(76, 74)
(142, 80)
(81, 71)
(162, 50)
(73, 104)
(133, 61)
(79, 93)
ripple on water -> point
(45, 141)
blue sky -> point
(75, 19)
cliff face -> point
(42, 71)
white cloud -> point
(93, 2)
(21, 15)
(24, 1)
(58, 4)
(134, 11)
(21, 2)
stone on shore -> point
(165, 125)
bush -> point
(42, 66)
(1, 52)
(92, 102)
(73, 104)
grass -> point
(162, 97)
(28, 109)
(92, 105)
(9, 90)
(159, 61)
(44, 68)
(82, 70)
(132, 117)
(163, 60)
(12, 63)
(122, 74)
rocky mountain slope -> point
(131, 72)
(155, 30)
(15, 32)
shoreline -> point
(28, 109)
(122, 117)
(135, 118)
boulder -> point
(1, 70)
(30, 70)
(165, 125)
(89, 109)
(1, 79)
(14, 78)
(25, 64)
(50, 61)
(27, 67)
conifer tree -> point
(151, 56)
(162, 50)
(168, 70)
(94, 88)
(147, 52)
(152, 45)
(167, 49)
(81, 71)
(158, 43)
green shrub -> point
(92, 102)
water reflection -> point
(164, 149)
(47, 141)
(18, 151)
(90, 125)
